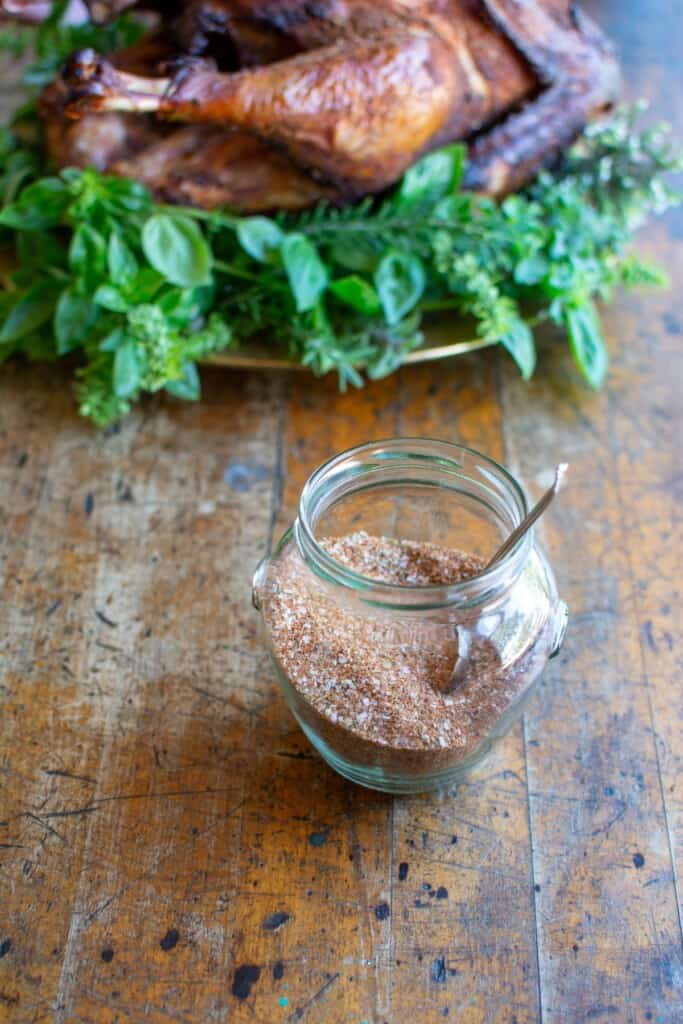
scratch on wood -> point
(106, 620)
(97, 804)
(77, 812)
(68, 775)
(305, 1007)
(612, 821)
(44, 824)
(215, 823)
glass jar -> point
(403, 682)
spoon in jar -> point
(535, 513)
(464, 635)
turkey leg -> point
(358, 112)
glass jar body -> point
(404, 688)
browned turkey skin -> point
(285, 103)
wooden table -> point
(171, 848)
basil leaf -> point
(18, 167)
(182, 306)
(519, 342)
(122, 264)
(112, 341)
(146, 285)
(260, 237)
(74, 316)
(122, 195)
(306, 272)
(188, 386)
(87, 253)
(175, 246)
(531, 270)
(433, 177)
(354, 255)
(127, 373)
(357, 293)
(111, 298)
(400, 282)
(587, 343)
(32, 310)
(38, 249)
(454, 208)
(39, 206)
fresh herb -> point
(142, 291)
(53, 40)
(15, 39)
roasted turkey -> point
(261, 105)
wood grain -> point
(170, 846)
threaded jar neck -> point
(412, 475)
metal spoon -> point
(531, 516)
(464, 636)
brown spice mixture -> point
(371, 682)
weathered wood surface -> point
(171, 848)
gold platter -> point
(444, 337)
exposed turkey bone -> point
(94, 84)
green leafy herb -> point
(15, 39)
(187, 386)
(357, 293)
(176, 248)
(587, 344)
(127, 369)
(434, 177)
(260, 237)
(141, 291)
(121, 262)
(400, 281)
(31, 310)
(39, 206)
(306, 272)
(52, 41)
(74, 316)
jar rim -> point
(426, 596)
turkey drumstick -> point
(343, 110)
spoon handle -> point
(531, 517)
